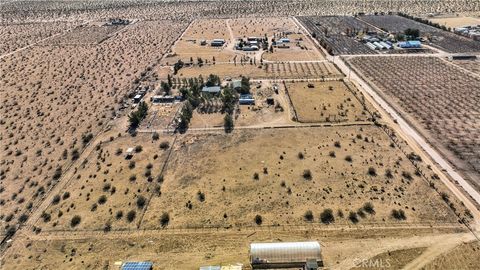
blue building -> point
(410, 44)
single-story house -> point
(211, 89)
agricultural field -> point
(440, 97)
(57, 99)
(443, 40)
(471, 65)
(326, 102)
(336, 33)
(288, 70)
(16, 36)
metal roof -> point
(284, 252)
(211, 89)
(137, 266)
(210, 267)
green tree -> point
(228, 123)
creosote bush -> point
(399, 214)
(308, 216)
(326, 216)
(75, 221)
(164, 219)
(258, 220)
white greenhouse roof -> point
(284, 252)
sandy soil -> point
(456, 21)
(325, 102)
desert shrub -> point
(160, 178)
(200, 196)
(23, 218)
(149, 166)
(258, 220)
(255, 176)
(340, 213)
(46, 217)
(399, 214)
(388, 173)
(337, 144)
(300, 155)
(148, 173)
(75, 221)
(360, 213)
(57, 173)
(308, 216)
(407, 175)
(164, 145)
(307, 174)
(138, 149)
(155, 136)
(368, 207)
(332, 154)
(119, 214)
(326, 216)
(445, 197)
(131, 164)
(75, 154)
(102, 199)
(66, 195)
(106, 187)
(372, 171)
(352, 216)
(56, 199)
(119, 151)
(94, 207)
(348, 158)
(141, 201)
(107, 227)
(131, 215)
(133, 177)
(164, 219)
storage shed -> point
(284, 254)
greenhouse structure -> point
(304, 255)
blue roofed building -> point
(137, 266)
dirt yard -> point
(297, 170)
(326, 102)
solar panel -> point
(137, 266)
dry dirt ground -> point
(217, 184)
(326, 102)
(211, 184)
(454, 22)
(55, 99)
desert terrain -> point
(127, 135)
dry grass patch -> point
(326, 102)
(237, 181)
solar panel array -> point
(137, 266)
